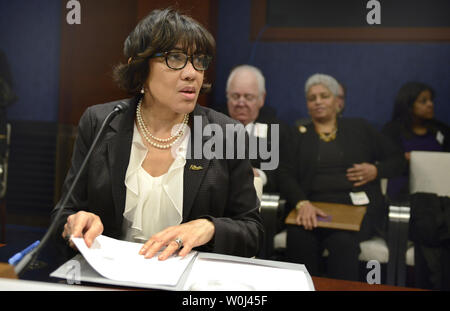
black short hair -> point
(160, 31)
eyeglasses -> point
(247, 97)
(178, 60)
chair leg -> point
(401, 260)
(392, 242)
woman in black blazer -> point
(333, 160)
(145, 181)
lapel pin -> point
(195, 167)
(302, 129)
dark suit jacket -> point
(222, 191)
(429, 229)
(268, 115)
(359, 142)
(284, 143)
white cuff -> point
(262, 175)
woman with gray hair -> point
(326, 80)
(337, 161)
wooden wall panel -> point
(88, 53)
(90, 50)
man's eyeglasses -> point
(178, 60)
(247, 97)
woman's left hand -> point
(362, 173)
(192, 234)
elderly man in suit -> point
(246, 93)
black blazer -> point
(284, 144)
(359, 142)
(222, 191)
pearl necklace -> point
(149, 137)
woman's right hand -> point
(82, 225)
(307, 215)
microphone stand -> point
(29, 258)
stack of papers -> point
(120, 261)
(230, 275)
(115, 262)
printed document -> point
(120, 260)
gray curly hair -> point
(326, 80)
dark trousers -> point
(306, 247)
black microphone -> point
(121, 107)
(28, 259)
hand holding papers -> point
(120, 261)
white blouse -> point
(152, 203)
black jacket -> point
(429, 229)
(359, 142)
(430, 219)
(221, 191)
(284, 140)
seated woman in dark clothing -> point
(413, 127)
(334, 160)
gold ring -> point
(360, 178)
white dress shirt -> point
(258, 130)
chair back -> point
(430, 172)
